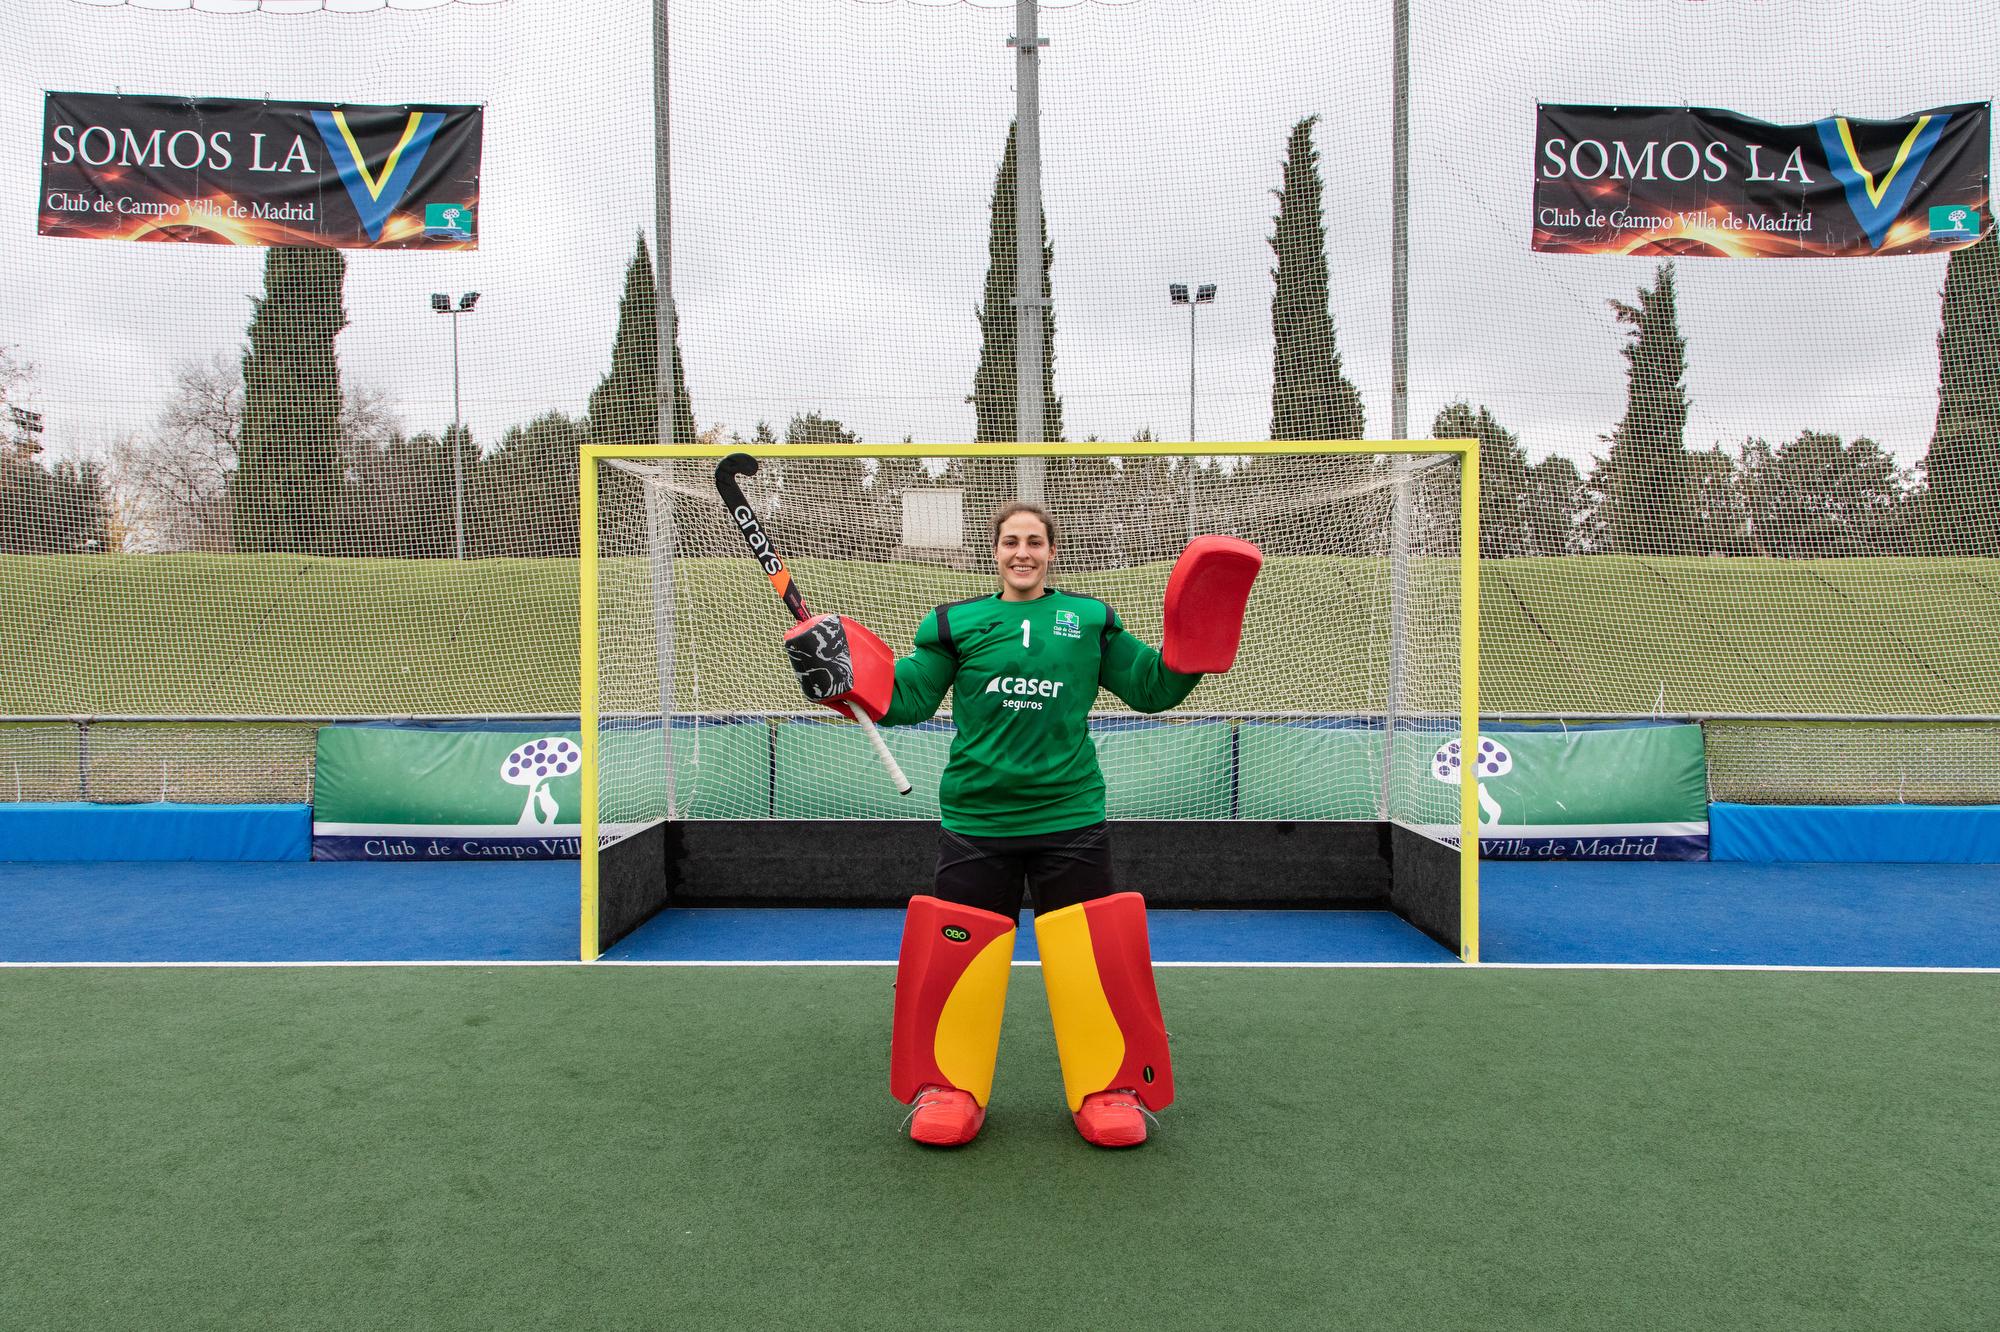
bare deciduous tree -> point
(172, 484)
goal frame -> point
(589, 718)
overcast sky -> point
(833, 162)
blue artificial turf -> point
(768, 934)
(1742, 914)
(1728, 914)
(252, 911)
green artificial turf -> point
(219, 634)
(714, 1148)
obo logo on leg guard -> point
(951, 990)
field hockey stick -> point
(745, 518)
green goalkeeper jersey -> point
(1023, 676)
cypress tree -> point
(624, 407)
(989, 483)
(828, 503)
(1311, 396)
(1959, 513)
(524, 499)
(1503, 478)
(1552, 507)
(287, 484)
(64, 509)
(1646, 481)
(993, 384)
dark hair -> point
(1012, 507)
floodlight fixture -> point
(1204, 294)
(441, 303)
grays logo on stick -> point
(726, 473)
(760, 545)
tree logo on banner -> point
(1493, 761)
(534, 765)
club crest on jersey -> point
(1068, 625)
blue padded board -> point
(75, 831)
(1877, 834)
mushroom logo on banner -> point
(534, 765)
(1493, 761)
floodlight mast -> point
(441, 304)
(1399, 374)
(1204, 294)
(1029, 366)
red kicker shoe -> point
(945, 1117)
(1111, 1119)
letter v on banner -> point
(375, 198)
(1877, 204)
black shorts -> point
(991, 873)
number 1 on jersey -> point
(1024, 633)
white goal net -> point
(1347, 686)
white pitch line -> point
(195, 966)
(884, 962)
(1734, 966)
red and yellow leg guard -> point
(951, 989)
(1098, 968)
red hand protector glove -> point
(838, 661)
(1206, 595)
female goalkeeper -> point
(1022, 800)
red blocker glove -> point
(1206, 596)
(839, 662)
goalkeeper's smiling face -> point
(1022, 554)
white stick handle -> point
(881, 750)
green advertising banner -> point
(1601, 792)
(1621, 791)
(461, 792)
(1611, 791)
(438, 793)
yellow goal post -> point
(1372, 548)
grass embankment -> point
(181, 634)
